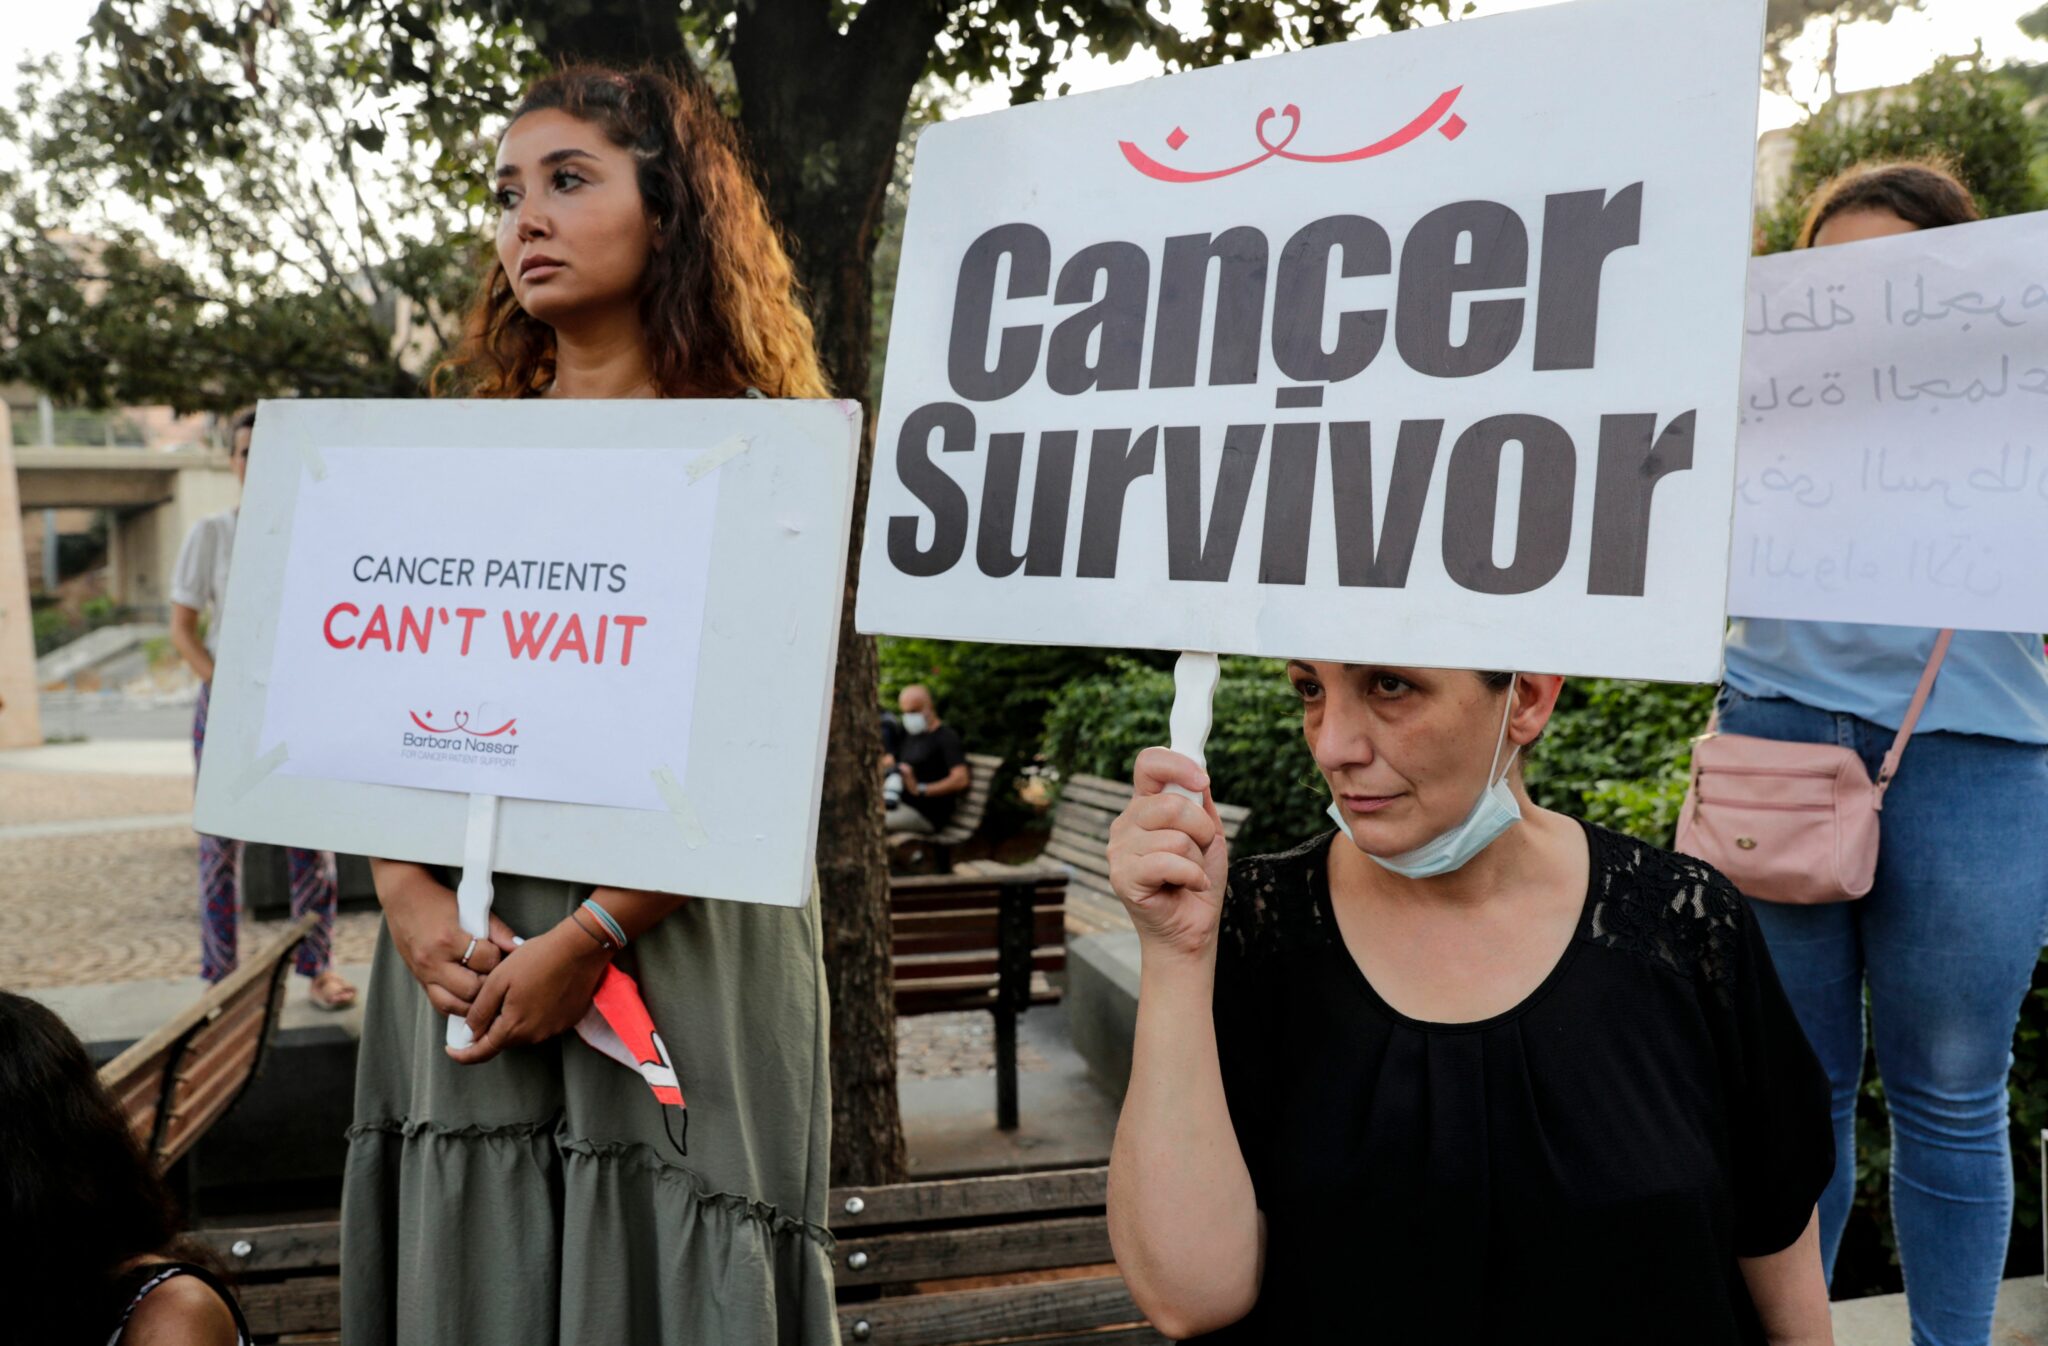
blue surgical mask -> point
(914, 722)
(1494, 812)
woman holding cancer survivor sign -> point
(1947, 937)
(1461, 1070)
(527, 1188)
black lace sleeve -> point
(1269, 913)
(1683, 914)
(1782, 1138)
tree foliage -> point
(217, 212)
(1960, 111)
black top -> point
(1585, 1167)
(930, 756)
(134, 1285)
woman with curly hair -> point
(525, 1189)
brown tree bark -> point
(622, 33)
(826, 146)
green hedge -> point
(1615, 752)
(1098, 726)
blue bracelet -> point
(604, 918)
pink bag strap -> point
(1920, 695)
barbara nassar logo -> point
(460, 740)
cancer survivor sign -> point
(1419, 349)
(520, 622)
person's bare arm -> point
(952, 783)
(185, 639)
(183, 1311)
(1791, 1292)
(1184, 1220)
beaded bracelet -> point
(604, 918)
(594, 930)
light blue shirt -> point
(1993, 682)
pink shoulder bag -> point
(1792, 822)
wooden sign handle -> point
(1194, 706)
(473, 894)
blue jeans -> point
(1946, 943)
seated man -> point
(928, 772)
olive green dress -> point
(536, 1199)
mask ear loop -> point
(1506, 715)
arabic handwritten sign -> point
(1419, 349)
(1893, 457)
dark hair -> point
(244, 420)
(719, 304)
(1497, 682)
(1925, 193)
(76, 1192)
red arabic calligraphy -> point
(462, 726)
(1451, 127)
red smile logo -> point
(461, 726)
(1438, 114)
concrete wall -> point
(143, 547)
(21, 724)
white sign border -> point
(765, 683)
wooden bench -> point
(980, 942)
(1079, 845)
(181, 1079)
(966, 819)
(918, 1262)
(962, 1262)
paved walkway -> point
(99, 869)
(2022, 1318)
(98, 886)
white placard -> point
(1893, 461)
(438, 630)
(1419, 349)
(694, 766)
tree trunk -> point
(622, 33)
(825, 144)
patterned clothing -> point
(220, 867)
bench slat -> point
(301, 1304)
(964, 942)
(204, 1094)
(1043, 899)
(966, 882)
(280, 1247)
(929, 1255)
(257, 969)
(964, 1317)
(911, 926)
(910, 1203)
(913, 968)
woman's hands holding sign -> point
(1168, 859)
(419, 911)
(531, 998)
(507, 1001)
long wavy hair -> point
(720, 301)
(76, 1194)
